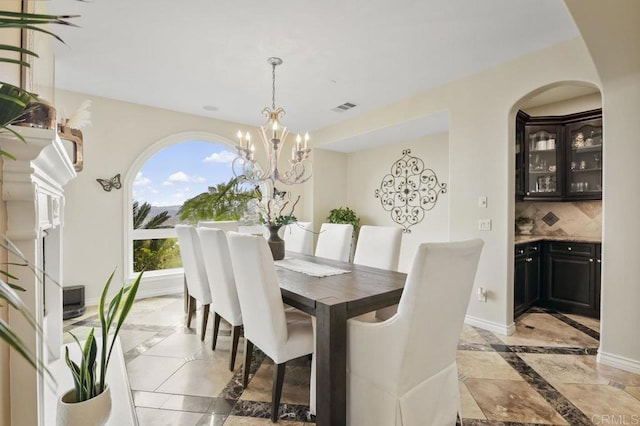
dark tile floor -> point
(545, 373)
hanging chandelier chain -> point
(273, 86)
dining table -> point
(351, 290)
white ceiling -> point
(184, 55)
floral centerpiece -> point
(274, 212)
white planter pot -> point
(94, 412)
(525, 229)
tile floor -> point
(545, 373)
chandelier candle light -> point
(273, 135)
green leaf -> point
(75, 370)
(18, 49)
(16, 61)
(126, 307)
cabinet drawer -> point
(583, 249)
(525, 249)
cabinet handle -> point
(528, 193)
(599, 261)
(534, 248)
(529, 259)
(591, 260)
(520, 251)
(569, 248)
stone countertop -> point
(522, 239)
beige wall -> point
(482, 112)
(328, 183)
(569, 106)
(612, 34)
(365, 171)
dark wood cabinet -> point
(571, 284)
(559, 157)
(526, 277)
(559, 275)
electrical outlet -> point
(482, 294)
(482, 202)
(484, 224)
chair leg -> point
(235, 336)
(205, 319)
(276, 392)
(191, 310)
(248, 353)
(216, 326)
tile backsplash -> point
(575, 219)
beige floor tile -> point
(485, 365)
(196, 404)
(512, 401)
(544, 330)
(592, 323)
(634, 391)
(148, 372)
(294, 391)
(178, 346)
(198, 378)
(566, 368)
(149, 399)
(156, 417)
(163, 312)
(582, 369)
(601, 400)
(132, 338)
(251, 421)
(468, 406)
(469, 335)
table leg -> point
(331, 364)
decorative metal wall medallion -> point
(409, 191)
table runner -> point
(309, 268)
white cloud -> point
(179, 177)
(182, 177)
(141, 180)
(224, 157)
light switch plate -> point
(484, 224)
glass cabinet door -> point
(542, 168)
(584, 159)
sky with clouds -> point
(182, 171)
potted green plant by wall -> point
(89, 402)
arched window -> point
(167, 174)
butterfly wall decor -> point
(107, 184)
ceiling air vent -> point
(344, 107)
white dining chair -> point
(225, 225)
(298, 237)
(379, 247)
(195, 273)
(334, 241)
(254, 230)
(403, 371)
(281, 335)
(224, 295)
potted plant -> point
(89, 402)
(525, 225)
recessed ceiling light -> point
(210, 108)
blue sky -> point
(181, 171)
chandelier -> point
(273, 135)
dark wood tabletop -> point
(333, 300)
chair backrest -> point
(217, 261)
(225, 225)
(334, 241)
(194, 269)
(433, 306)
(254, 230)
(378, 247)
(298, 237)
(258, 291)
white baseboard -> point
(145, 293)
(495, 327)
(627, 364)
